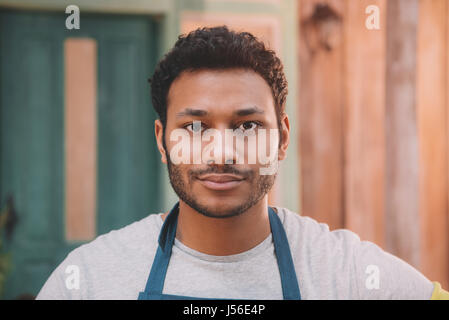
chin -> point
(221, 208)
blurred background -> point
(368, 106)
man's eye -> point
(196, 126)
(248, 126)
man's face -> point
(220, 102)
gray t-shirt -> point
(329, 265)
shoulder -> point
(360, 269)
(314, 241)
(119, 249)
(128, 239)
(314, 235)
(120, 254)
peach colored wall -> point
(80, 138)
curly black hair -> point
(217, 48)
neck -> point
(223, 236)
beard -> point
(260, 185)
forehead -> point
(219, 91)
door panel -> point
(32, 160)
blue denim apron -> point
(156, 279)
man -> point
(223, 240)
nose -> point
(219, 148)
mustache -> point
(221, 170)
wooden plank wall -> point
(402, 174)
(432, 106)
(373, 116)
(364, 118)
(320, 110)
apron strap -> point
(156, 279)
(290, 287)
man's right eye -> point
(195, 126)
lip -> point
(220, 182)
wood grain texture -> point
(432, 133)
(364, 123)
(321, 110)
(402, 174)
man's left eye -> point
(248, 126)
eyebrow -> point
(192, 112)
(248, 111)
(202, 113)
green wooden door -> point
(32, 133)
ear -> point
(159, 132)
(285, 133)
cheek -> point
(261, 149)
(177, 172)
